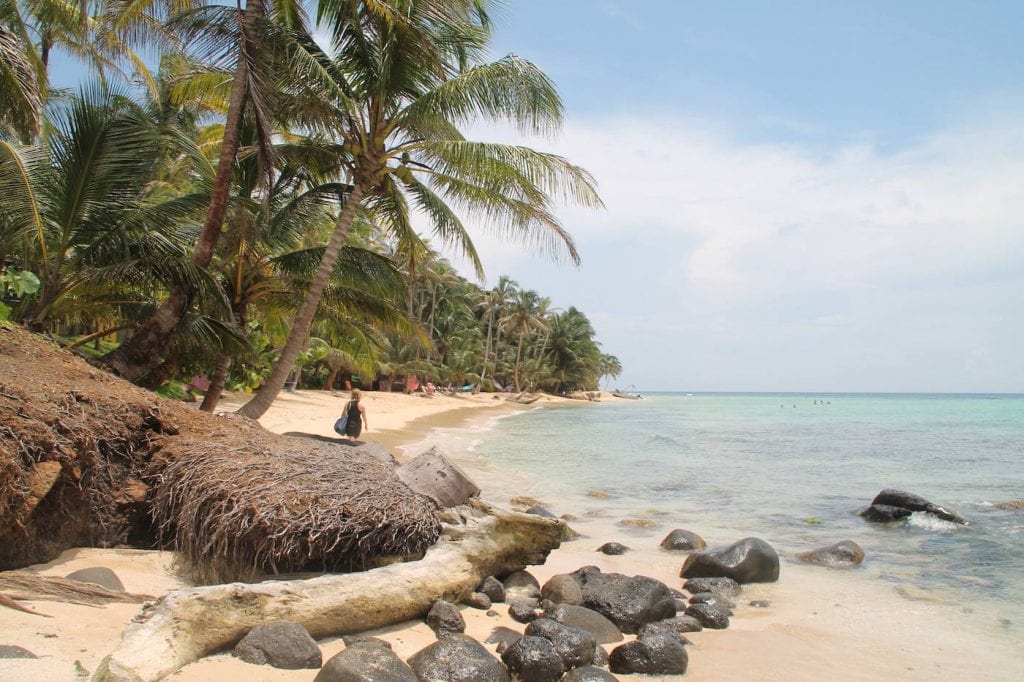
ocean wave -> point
(658, 438)
(926, 521)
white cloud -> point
(849, 253)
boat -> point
(626, 394)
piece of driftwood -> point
(23, 585)
(184, 625)
(437, 477)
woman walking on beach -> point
(356, 415)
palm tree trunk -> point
(142, 351)
(265, 396)
(216, 390)
(519, 350)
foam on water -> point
(926, 521)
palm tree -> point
(523, 319)
(609, 366)
(250, 41)
(399, 94)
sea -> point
(794, 470)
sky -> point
(800, 196)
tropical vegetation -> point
(230, 203)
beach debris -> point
(187, 624)
(629, 602)
(534, 659)
(25, 585)
(478, 600)
(281, 644)
(457, 659)
(592, 396)
(493, 588)
(603, 630)
(524, 398)
(444, 618)
(12, 604)
(723, 587)
(901, 499)
(98, 575)
(574, 646)
(750, 560)
(713, 616)
(368, 659)
(589, 673)
(14, 651)
(680, 540)
(613, 548)
(562, 589)
(844, 554)
(433, 475)
(657, 652)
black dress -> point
(355, 421)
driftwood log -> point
(187, 624)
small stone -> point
(710, 615)
(524, 610)
(282, 644)
(613, 548)
(493, 588)
(479, 600)
(445, 619)
(760, 604)
(711, 598)
(680, 540)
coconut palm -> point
(399, 101)
(250, 45)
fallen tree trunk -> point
(185, 625)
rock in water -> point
(457, 658)
(445, 619)
(657, 653)
(629, 602)
(750, 560)
(884, 513)
(845, 554)
(366, 661)
(683, 540)
(613, 549)
(533, 659)
(905, 500)
(283, 644)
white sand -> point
(821, 625)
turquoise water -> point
(796, 473)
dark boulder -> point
(368, 660)
(589, 673)
(683, 540)
(524, 610)
(711, 598)
(98, 575)
(751, 560)
(713, 616)
(13, 651)
(563, 589)
(657, 653)
(457, 658)
(603, 630)
(845, 554)
(533, 659)
(613, 548)
(282, 644)
(445, 619)
(600, 657)
(629, 602)
(478, 600)
(493, 588)
(901, 498)
(723, 587)
(520, 580)
(884, 513)
(682, 624)
(574, 646)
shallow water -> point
(794, 470)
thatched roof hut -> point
(87, 459)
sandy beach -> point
(821, 623)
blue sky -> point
(814, 196)
(801, 195)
